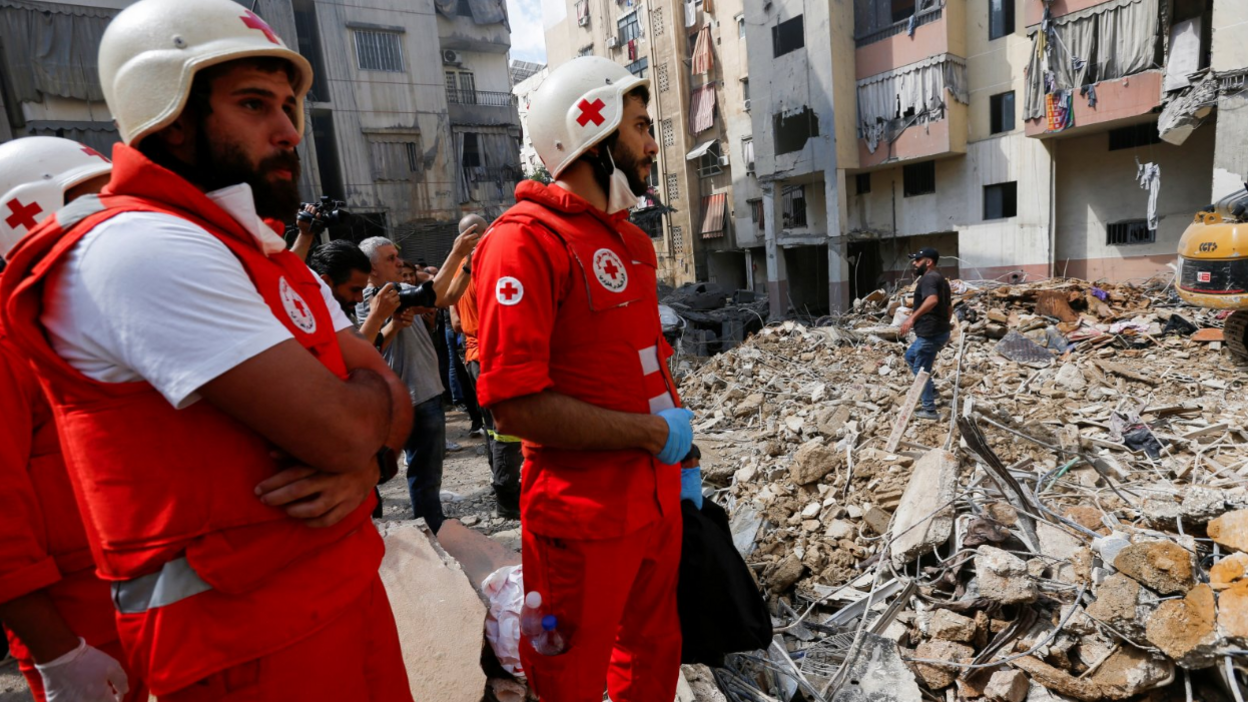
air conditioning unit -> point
(451, 57)
(749, 167)
(746, 105)
(723, 160)
(613, 42)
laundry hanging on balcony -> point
(703, 57)
(916, 91)
(1103, 42)
(1059, 111)
(702, 109)
(1148, 175)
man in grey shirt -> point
(410, 354)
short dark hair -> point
(641, 92)
(338, 259)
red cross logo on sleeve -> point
(23, 215)
(92, 152)
(253, 20)
(591, 112)
(508, 291)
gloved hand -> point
(679, 435)
(85, 674)
(691, 485)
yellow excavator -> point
(1213, 265)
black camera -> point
(327, 213)
(422, 295)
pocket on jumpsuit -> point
(561, 586)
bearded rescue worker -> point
(57, 613)
(220, 418)
(573, 361)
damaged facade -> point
(410, 119)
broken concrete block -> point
(877, 519)
(434, 606)
(937, 677)
(782, 574)
(1003, 577)
(916, 530)
(840, 529)
(812, 461)
(1233, 611)
(878, 673)
(1162, 566)
(750, 404)
(1007, 686)
(830, 422)
(1070, 378)
(1086, 516)
(1227, 571)
(1185, 629)
(1231, 530)
(1123, 604)
(951, 626)
(1057, 543)
(1126, 673)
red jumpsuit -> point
(568, 303)
(222, 596)
(42, 543)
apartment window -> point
(919, 178)
(1000, 200)
(1134, 231)
(740, 26)
(629, 27)
(587, 50)
(1002, 107)
(745, 88)
(756, 211)
(788, 36)
(378, 51)
(792, 132)
(1000, 18)
(793, 203)
(669, 132)
(395, 157)
(656, 19)
(863, 183)
(461, 88)
(472, 151)
(639, 67)
(328, 167)
(452, 87)
(673, 187)
(708, 162)
(902, 9)
(747, 154)
(1134, 137)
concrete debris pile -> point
(702, 319)
(1074, 527)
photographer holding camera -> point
(312, 220)
(411, 355)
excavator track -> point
(1234, 331)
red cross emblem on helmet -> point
(591, 112)
(253, 21)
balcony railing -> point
(896, 28)
(480, 97)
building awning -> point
(700, 151)
(715, 207)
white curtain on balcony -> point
(919, 87)
(1110, 40)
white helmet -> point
(35, 172)
(578, 105)
(151, 51)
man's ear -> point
(180, 134)
(327, 280)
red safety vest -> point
(156, 483)
(606, 349)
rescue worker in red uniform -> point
(573, 361)
(220, 418)
(58, 615)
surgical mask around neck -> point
(620, 197)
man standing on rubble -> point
(930, 321)
(221, 419)
(573, 361)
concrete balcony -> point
(462, 34)
(481, 107)
(1119, 102)
(921, 142)
(1033, 13)
(937, 31)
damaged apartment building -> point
(694, 55)
(410, 120)
(1022, 138)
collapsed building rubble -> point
(1074, 527)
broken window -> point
(378, 51)
(793, 131)
(788, 36)
(919, 178)
(1000, 200)
(1000, 18)
(1134, 231)
(472, 151)
(1134, 136)
(863, 183)
(1002, 112)
(902, 9)
(793, 204)
(395, 156)
(915, 92)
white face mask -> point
(621, 196)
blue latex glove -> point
(679, 435)
(691, 486)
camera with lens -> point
(326, 213)
(422, 295)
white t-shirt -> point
(153, 297)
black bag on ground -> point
(721, 609)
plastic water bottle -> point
(550, 642)
(531, 615)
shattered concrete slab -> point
(1126, 673)
(1186, 629)
(1123, 604)
(1231, 530)
(1003, 577)
(1007, 686)
(936, 676)
(925, 518)
(1162, 566)
(878, 673)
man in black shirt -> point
(930, 322)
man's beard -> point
(919, 270)
(632, 166)
(224, 164)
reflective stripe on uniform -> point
(505, 438)
(176, 581)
